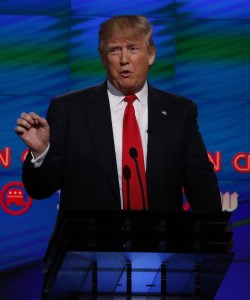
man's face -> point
(127, 62)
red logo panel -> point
(14, 200)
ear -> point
(151, 58)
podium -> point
(138, 255)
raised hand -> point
(34, 131)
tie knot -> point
(130, 98)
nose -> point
(124, 59)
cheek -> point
(112, 67)
(143, 68)
(109, 69)
(141, 64)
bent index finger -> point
(28, 118)
(34, 116)
(37, 119)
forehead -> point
(118, 40)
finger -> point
(37, 119)
(34, 116)
(30, 120)
(19, 130)
(24, 123)
(27, 118)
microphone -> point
(134, 154)
(127, 174)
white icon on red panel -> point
(15, 196)
(14, 199)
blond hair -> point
(128, 26)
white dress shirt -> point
(117, 108)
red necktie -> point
(134, 187)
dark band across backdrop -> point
(202, 53)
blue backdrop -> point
(50, 47)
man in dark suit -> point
(77, 149)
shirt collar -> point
(118, 97)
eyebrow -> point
(113, 45)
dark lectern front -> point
(138, 254)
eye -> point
(134, 49)
(114, 50)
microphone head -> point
(126, 172)
(133, 152)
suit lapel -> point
(157, 119)
(155, 109)
(158, 122)
(100, 122)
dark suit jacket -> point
(81, 161)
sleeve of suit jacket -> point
(42, 182)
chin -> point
(128, 89)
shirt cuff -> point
(37, 162)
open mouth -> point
(125, 73)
